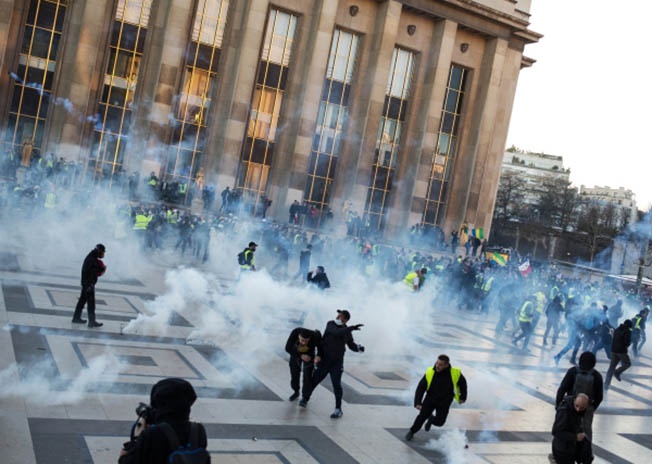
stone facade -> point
(485, 38)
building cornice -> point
(475, 16)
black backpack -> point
(241, 258)
(191, 452)
(583, 382)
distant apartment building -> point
(622, 199)
(534, 169)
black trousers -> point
(623, 359)
(427, 408)
(578, 452)
(296, 367)
(335, 369)
(87, 297)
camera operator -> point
(170, 401)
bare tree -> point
(557, 203)
(509, 198)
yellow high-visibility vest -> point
(455, 377)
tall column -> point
(419, 142)
(466, 185)
(301, 105)
(79, 76)
(159, 74)
(236, 77)
(487, 176)
(355, 163)
(12, 13)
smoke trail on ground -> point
(34, 385)
(452, 444)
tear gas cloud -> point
(47, 390)
(452, 444)
(225, 307)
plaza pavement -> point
(58, 406)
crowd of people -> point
(573, 311)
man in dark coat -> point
(583, 378)
(569, 443)
(302, 347)
(304, 262)
(621, 340)
(170, 400)
(337, 337)
(319, 278)
(638, 330)
(440, 384)
(92, 268)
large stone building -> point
(399, 107)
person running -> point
(302, 346)
(440, 384)
(621, 340)
(337, 336)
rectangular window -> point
(389, 137)
(202, 56)
(31, 82)
(442, 158)
(273, 68)
(113, 117)
(331, 121)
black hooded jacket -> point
(171, 400)
(320, 280)
(567, 385)
(293, 348)
(568, 423)
(335, 340)
(622, 338)
(91, 268)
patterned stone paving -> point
(74, 390)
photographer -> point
(163, 426)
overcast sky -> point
(588, 97)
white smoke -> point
(41, 389)
(452, 444)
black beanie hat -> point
(172, 393)
(587, 361)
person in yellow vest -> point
(246, 257)
(415, 279)
(525, 317)
(486, 284)
(539, 307)
(141, 220)
(440, 384)
(50, 200)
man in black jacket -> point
(337, 337)
(319, 278)
(440, 384)
(570, 443)
(170, 400)
(621, 340)
(92, 268)
(304, 262)
(302, 347)
(583, 378)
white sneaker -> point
(337, 413)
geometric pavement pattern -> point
(506, 421)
